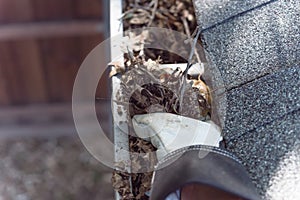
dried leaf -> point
(150, 98)
(117, 67)
(202, 87)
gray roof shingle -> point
(262, 150)
(255, 45)
(209, 12)
(262, 101)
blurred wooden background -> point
(42, 44)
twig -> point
(121, 103)
(193, 46)
(153, 12)
(195, 31)
(126, 13)
(148, 73)
(133, 11)
(130, 54)
(101, 98)
(187, 31)
(184, 77)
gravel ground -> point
(59, 169)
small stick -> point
(193, 46)
(195, 31)
(126, 13)
(148, 73)
(187, 31)
(101, 98)
(153, 12)
(184, 77)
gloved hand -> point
(169, 132)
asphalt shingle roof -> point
(262, 101)
(255, 45)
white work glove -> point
(169, 132)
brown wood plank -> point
(15, 11)
(24, 68)
(88, 9)
(61, 61)
(11, 74)
(4, 98)
(45, 10)
(86, 46)
(48, 69)
(4, 81)
(29, 64)
(21, 68)
(55, 120)
(49, 29)
(63, 57)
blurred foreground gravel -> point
(58, 169)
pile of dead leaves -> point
(146, 88)
(177, 15)
(135, 185)
(158, 13)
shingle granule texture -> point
(263, 149)
(255, 45)
(209, 12)
(262, 101)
